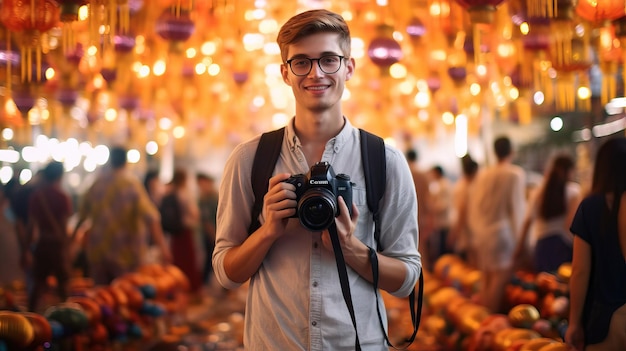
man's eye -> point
(329, 59)
(300, 62)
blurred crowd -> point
(491, 216)
(117, 225)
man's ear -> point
(350, 65)
(284, 71)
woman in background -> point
(550, 214)
(597, 319)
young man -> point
(295, 300)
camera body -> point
(317, 196)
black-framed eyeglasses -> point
(329, 64)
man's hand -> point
(346, 225)
(279, 204)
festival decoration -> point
(30, 19)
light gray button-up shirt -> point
(294, 300)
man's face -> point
(318, 91)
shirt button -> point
(315, 284)
(315, 245)
(314, 323)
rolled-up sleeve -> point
(399, 233)
(233, 211)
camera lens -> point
(317, 209)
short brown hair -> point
(313, 22)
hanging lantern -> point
(124, 43)
(30, 19)
(383, 50)
(481, 13)
(597, 11)
(175, 25)
(241, 77)
(67, 97)
(600, 13)
(24, 101)
(416, 28)
(109, 75)
(69, 14)
(569, 54)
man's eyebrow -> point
(325, 53)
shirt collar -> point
(344, 137)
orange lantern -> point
(30, 18)
(601, 13)
(598, 11)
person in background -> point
(49, 209)
(295, 300)
(550, 213)
(597, 313)
(460, 237)
(424, 205)
(182, 242)
(121, 214)
(207, 204)
(154, 186)
(496, 207)
(12, 269)
(441, 198)
(19, 200)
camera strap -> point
(415, 314)
(343, 280)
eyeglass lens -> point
(328, 64)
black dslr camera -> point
(317, 196)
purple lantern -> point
(67, 96)
(188, 71)
(458, 74)
(8, 56)
(384, 51)
(434, 83)
(109, 74)
(240, 77)
(415, 28)
(128, 102)
(124, 43)
(175, 28)
(24, 101)
(74, 56)
(134, 6)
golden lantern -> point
(601, 13)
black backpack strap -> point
(265, 158)
(375, 170)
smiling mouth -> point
(318, 88)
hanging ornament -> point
(67, 96)
(599, 14)
(30, 19)
(481, 13)
(9, 58)
(598, 11)
(383, 50)
(69, 15)
(569, 54)
(416, 28)
(175, 25)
